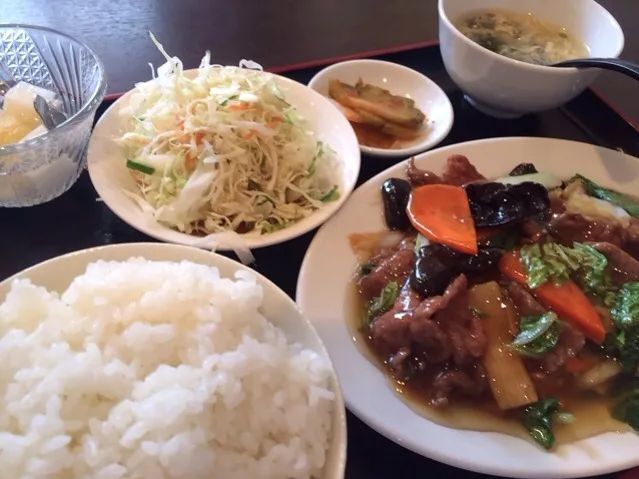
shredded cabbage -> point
(223, 151)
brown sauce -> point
(590, 409)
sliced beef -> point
(418, 177)
(557, 205)
(457, 382)
(463, 335)
(431, 338)
(525, 302)
(631, 238)
(398, 360)
(570, 344)
(467, 337)
(391, 331)
(621, 265)
(533, 231)
(459, 171)
(570, 227)
(439, 328)
(395, 267)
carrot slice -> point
(442, 214)
(566, 299)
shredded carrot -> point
(442, 214)
(189, 162)
(248, 135)
(199, 136)
(575, 365)
(238, 106)
(274, 121)
(566, 299)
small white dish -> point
(399, 80)
(112, 180)
(323, 295)
(57, 274)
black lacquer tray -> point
(78, 220)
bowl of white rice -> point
(162, 361)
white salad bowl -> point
(399, 80)
(506, 88)
(115, 185)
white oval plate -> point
(322, 290)
(56, 274)
(111, 178)
(399, 80)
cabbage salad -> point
(223, 151)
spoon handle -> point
(614, 64)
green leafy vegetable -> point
(537, 271)
(332, 195)
(383, 302)
(626, 345)
(591, 275)
(134, 165)
(626, 408)
(625, 316)
(617, 199)
(537, 419)
(228, 99)
(533, 327)
(319, 151)
(270, 226)
(537, 334)
(557, 263)
(625, 311)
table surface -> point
(273, 32)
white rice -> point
(156, 370)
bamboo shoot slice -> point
(508, 377)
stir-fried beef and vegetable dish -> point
(520, 294)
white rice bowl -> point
(148, 369)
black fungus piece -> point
(395, 195)
(485, 260)
(496, 204)
(438, 265)
(433, 270)
(523, 169)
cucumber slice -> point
(134, 165)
